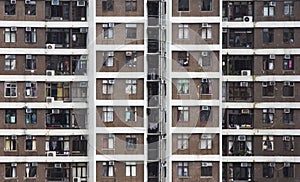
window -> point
(58, 144)
(183, 169)
(205, 58)
(268, 170)
(183, 58)
(10, 8)
(206, 169)
(10, 62)
(10, 143)
(30, 143)
(131, 31)
(10, 89)
(59, 118)
(11, 170)
(288, 89)
(108, 114)
(183, 5)
(183, 86)
(30, 63)
(31, 170)
(288, 116)
(130, 87)
(204, 113)
(268, 116)
(288, 143)
(79, 145)
(288, 35)
(206, 5)
(131, 58)
(182, 141)
(10, 34)
(268, 64)
(30, 8)
(205, 142)
(108, 169)
(269, 8)
(288, 8)
(183, 114)
(30, 89)
(109, 141)
(80, 170)
(183, 31)
(268, 143)
(130, 5)
(268, 89)
(206, 86)
(108, 30)
(108, 59)
(10, 116)
(108, 86)
(288, 170)
(107, 5)
(206, 31)
(30, 35)
(240, 145)
(268, 36)
(288, 62)
(131, 114)
(131, 142)
(130, 168)
(30, 116)
(241, 171)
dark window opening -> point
(183, 5)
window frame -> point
(131, 114)
(268, 170)
(183, 31)
(130, 169)
(183, 114)
(268, 11)
(183, 169)
(10, 143)
(182, 6)
(131, 87)
(206, 32)
(30, 62)
(268, 35)
(9, 9)
(110, 140)
(11, 170)
(30, 36)
(131, 142)
(131, 31)
(107, 114)
(183, 87)
(31, 170)
(30, 9)
(107, 5)
(267, 143)
(10, 62)
(10, 36)
(108, 169)
(206, 170)
(30, 143)
(108, 86)
(31, 116)
(206, 141)
(108, 30)
(288, 8)
(10, 116)
(130, 5)
(208, 7)
(288, 89)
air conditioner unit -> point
(27, 1)
(57, 165)
(28, 56)
(272, 164)
(286, 83)
(51, 154)
(204, 80)
(129, 53)
(83, 30)
(28, 137)
(50, 46)
(242, 138)
(286, 138)
(49, 99)
(244, 84)
(224, 30)
(50, 72)
(272, 83)
(80, 2)
(13, 29)
(271, 110)
(83, 57)
(264, 84)
(272, 56)
(14, 137)
(55, 111)
(13, 1)
(286, 110)
(204, 108)
(28, 29)
(110, 54)
(286, 164)
(28, 110)
(287, 56)
(14, 164)
(83, 84)
(245, 111)
(224, 19)
(206, 164)
(244, 164)
(204, 25)
(272, 3)
(163, 27)
(204, 53)
(76, 179)
(82, 18)
(55, 2)
(245, 72)
(111, 163)
(291, 84)
(248, 19)
(105, 25)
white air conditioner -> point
(204, 80)
(224, 30)
(204, 108)
(13, 29)
(242, 138)
(111, 163)
(272, 3)
(83, 30)
(28, 137)
(286, 138)
(57, 165)
(50, 72)
(248, 19)
(28, 110)
(271, 110)
(51, 154)
(287, 56)
(83, 84)
(80, 2)
(129, 53)
(245, 111)
(55, 2)
(272, 83)
(14, 137)
(27, 1)
(245, 72)
(50, 46)
(286, 164)
(14, 164)
(204, 53)
(55, 111)
(76, 179)
(28, 56)
(49, 99)
(111, 54)
(244, 164)
(163, 27)
(13, 1)
(272, 164)
(204, 25)
(286, 110)
(244, 84)
(28, 29)
(224, 19)
(291, 84)
(272, 56)
(264, 84)
(206, 164)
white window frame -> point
(110, 141)
(108, 86)
(131, 86)
(10, 36)
(129, 112)
(107, 114)
(183, 141)
(11, 88)
(183, 31)
(206, 142)
(130, 169)
(10, 62)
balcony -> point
(239, 118)
(238, 145)
(66, 65)
(238, 65)
(238, 38)
(238, 11)
(240, 92)
(60, 146)
(238, 172)
(64, 118)
(66, 91)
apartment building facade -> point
(149, 90)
